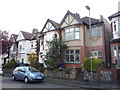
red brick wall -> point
(72, 65)
(113, 70)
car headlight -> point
(32, 75)
(42, 75)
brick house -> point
(115, 41)
(75, 32)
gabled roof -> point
(85, 20)
(27, 35)
(15, 36)
(114, 15)
(54, 24)
(73, 15)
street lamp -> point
(90, 34)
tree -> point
(53, 57)
(32, 58)
(5, 43)
(95, 63)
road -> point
(8, 83)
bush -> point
(35, 64)
(10, 64)
(95, 63)
(67, 71)
(33, 60)
(52, 64)
(42, 69)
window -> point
(95, 32)
(72, 34)
(96, 53)
(32, 45)
(114, 25)
(20, 46)
(72, 56)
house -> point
(26, 45)
(115, 41)
(14, 47)
(75, 32)
(49, 30)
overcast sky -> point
(16, 15)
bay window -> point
(72, 33)
(72, 56)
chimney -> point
(78, 15)
(35, 31)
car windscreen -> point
(33, 70)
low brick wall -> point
(7, 72)
(107, 74)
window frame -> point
(68, 37)
(70, 54)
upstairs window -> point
(20, 47)
(114, 25)
(32, 45)
(72, 33)
(95, 32)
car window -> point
(33, 70)
(16, 69)
(21, 69)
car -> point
(1, 71)
(27, 74)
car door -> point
(21, 73)
(16, 73)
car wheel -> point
(13, 77)
(26, 80)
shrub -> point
(33, 60)
(95, 63)
(67, 71)
(42, 69)
(10, 64)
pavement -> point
(85, 84)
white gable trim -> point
(20, 36)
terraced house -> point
(115, 41)
(75, 32)
(49, 30)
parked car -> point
(27, 74)
(1, 71)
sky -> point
(16, 15)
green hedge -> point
(95, 63)
(10, 64)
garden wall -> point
(107, 74)
(63, 74)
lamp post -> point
(90, 34)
